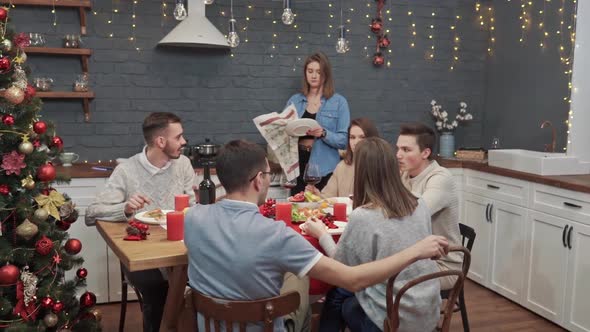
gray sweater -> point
(135, 175)
(370, 236)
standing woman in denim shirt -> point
(319, 101)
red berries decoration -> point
(268, 209)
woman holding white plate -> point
(342, 180)
(319, 101)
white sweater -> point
(136, 175)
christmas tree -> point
(35, 248)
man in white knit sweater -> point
(148, 180)
(427, 179)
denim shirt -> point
(334, 117)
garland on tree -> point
(35, 248)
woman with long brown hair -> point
(319, 101)
(386, 219)
(341, 181)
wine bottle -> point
(207, 189)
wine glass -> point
(312, 174)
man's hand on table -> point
(136, 202)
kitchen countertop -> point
(579, 183)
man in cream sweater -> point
(427, 179)
(146, 181)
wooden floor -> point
(488, 312)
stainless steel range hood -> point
(195, 30)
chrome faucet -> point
(549, 147)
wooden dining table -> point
(154, 252)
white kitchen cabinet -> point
(94, 248)
(577, 292)
(475, 215)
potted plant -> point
(446, 128)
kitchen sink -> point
(536, 162)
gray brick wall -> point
(218, 95)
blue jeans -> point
(343, 309)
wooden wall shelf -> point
(82, 5)
(85, 96)
(84, 53)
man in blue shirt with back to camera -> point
(236, 253)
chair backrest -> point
(243, 312)
(391, 323)
(467, 233)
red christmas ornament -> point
(44, 246)
(376, 25)
(58, 306)
(4, 189)
(82, 273)
(40, 127)
(384, 42)
(73, 246)
(378, 59)
(8, 120)
(47, 191)
(64, 226)
(47, 302)
(30, 92)
(87, 300)
(46, 173)
(4, 64)
(3, 14)
(9, 274)
(57, 142)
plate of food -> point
(155, 216)
(333, 227)
(300, 127)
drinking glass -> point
(312, 174)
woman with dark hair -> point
(341, 182)
(387, 218)
(319, 101)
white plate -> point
(332, 231)
(147, 220)
(300, 127)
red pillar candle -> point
(175, 225)
(181, 202)
(340, 211)
(283, 212)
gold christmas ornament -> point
(14, 95)
(6, 45)
(27, 230)
(40, 215)
(28, 183)
(97, 314)
(50, 320)
(26, 147)
(51, 203)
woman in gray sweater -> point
(386, 219)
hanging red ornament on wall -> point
(40, 127)
(3, 14)
(9, 274)
(384, 42)
(73, 246)
(87, 300)
(47, 302)
(46, 172)
(82, 273)
(8, 120)
(57, 142)
(4, 189)
(378, 59)
(44, 246)
(58, 306)
(376, 25)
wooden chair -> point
(391, 323)
(467, 239)
(243, 312)
(124, 284)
